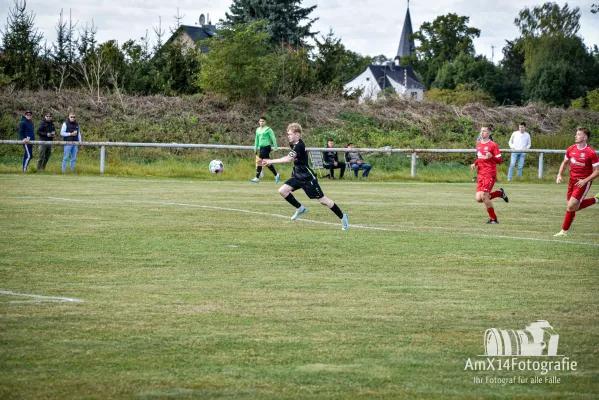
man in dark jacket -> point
(26, 133)
(46, 133)
(331, 161)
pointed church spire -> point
(406, 46)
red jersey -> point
(581, 161)
(487, 166)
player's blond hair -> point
(295, 128)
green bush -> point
(578, 104)
(593, 100)
(459, 97)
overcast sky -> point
(368, 27)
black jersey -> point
(301, 170)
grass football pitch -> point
(132, 288)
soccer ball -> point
(216, 166)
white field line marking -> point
(353, 226)
(41, 298)
(108, 178)
(450, 228)
(63, 199)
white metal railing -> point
(387, 150)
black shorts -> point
(264, 152)
(311, 188)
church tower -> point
(406, 46)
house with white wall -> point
(189, 36)
(390, 76)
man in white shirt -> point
(520, 140)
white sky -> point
(368, 27)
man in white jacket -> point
(520, 140)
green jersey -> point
(264, 135)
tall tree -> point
(478, 74)
(71, 41)
(513, 58)
(513, 71)
(294, 74)
(335, 65)
(559, 69)
(239, 65)
(181, 67)
(548, 19)
(87, 40)
(22, 45)
(283, 19)
(558, 65)
(439, 42)
(159, 32)
(62, 64)
(178, 17)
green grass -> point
(185, 301)
(193, 164)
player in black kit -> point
(303, 177)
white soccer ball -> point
(216, 166)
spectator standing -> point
(70, 132)
(331, 161)
(356, 162)
(46, 133)
(520, 140)
(26, 133)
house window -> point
(367, 79)
(414, 95)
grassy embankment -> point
(208, 119)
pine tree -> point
(61, 54)
(71, 43)
(22, 45)
(62, 64)
(159, 32)
(283, 19)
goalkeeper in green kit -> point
(264, 137)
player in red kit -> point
(487, 158)
(584, 167)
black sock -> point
(272, 169)
(291, 200)
(258, 170)
(337, 211)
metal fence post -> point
(413, 172)
(102, 158)
(540, 166)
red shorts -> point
(577, 192)
(485, 183)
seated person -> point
(356, 162)
(331, 161)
